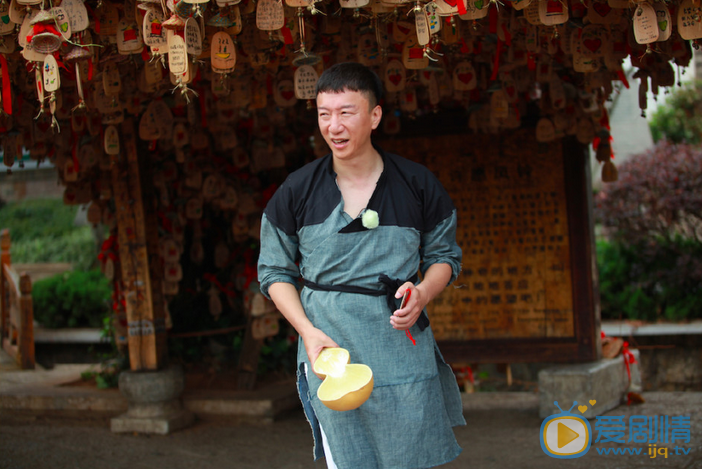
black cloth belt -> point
(390, 285)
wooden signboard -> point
(527, 290)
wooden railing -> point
(16, 309)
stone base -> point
(154, 402)
(597, 387)
(162, 425)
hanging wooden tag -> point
(622, 4)
(77, 14)
(6, 24)
(391, 123)
(593, 40)
(223, 53)
(499, 105)
(270, 15)
(52, 78)
(212, 186)
(61, 22)
(129, 39)
(464, 77)
(509, 86)
(545, 132)
(557, 93)
(193, 208)
(585, 132)
(153, 31)
(368, 53)
(689, 23)
(177, 55)
(645, 24)
(108, 18)
(444, 8)
(305, 81)
(152, 72)
(69, 171)
(520, 4)
(26, 29)
(665, 23)
(395, 76)
(173, 272)
(413, 54)
(111, 80)
(181, 135)
(421, 26)
(431, 10)
(17, 12)
(230, 199)
(193, 38)
(531, 13)
(284, 93)
(553, 12)
(353, 3)
(111, 140)
(600, 12)
(401, 31)
(475, 9)
(408, 100)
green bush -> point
(44, 231)
(657, 280)
(72, 299)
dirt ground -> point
(501, 435)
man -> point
(357, 225)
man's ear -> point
(376, 116)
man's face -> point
(346, 122)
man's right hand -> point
(315, 341)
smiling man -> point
(358, 226)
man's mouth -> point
(339, 141)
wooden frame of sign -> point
(528, 289)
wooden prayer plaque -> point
(527, 289)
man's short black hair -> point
(351, 76)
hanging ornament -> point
(690, 19)
(645, 24)
(52, 82)
(111, 140)
(129, 39)
(270, 15)
(395, 76)
(305, 81)
(223, 53)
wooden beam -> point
(145, 315)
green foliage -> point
(651, 266)
(658, 280)
(680, 119)
(43, 231)
(72, 299)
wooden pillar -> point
(145, 309)
(25, 338)
(4, 260)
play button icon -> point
(565, 435)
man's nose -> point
(335, 123)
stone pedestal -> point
(154, 402)
(597, 386)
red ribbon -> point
(496, 65)
(287, 35)
(629, 358)
(226, 289)
(6, 90)
(622, 78)
(42, 28)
